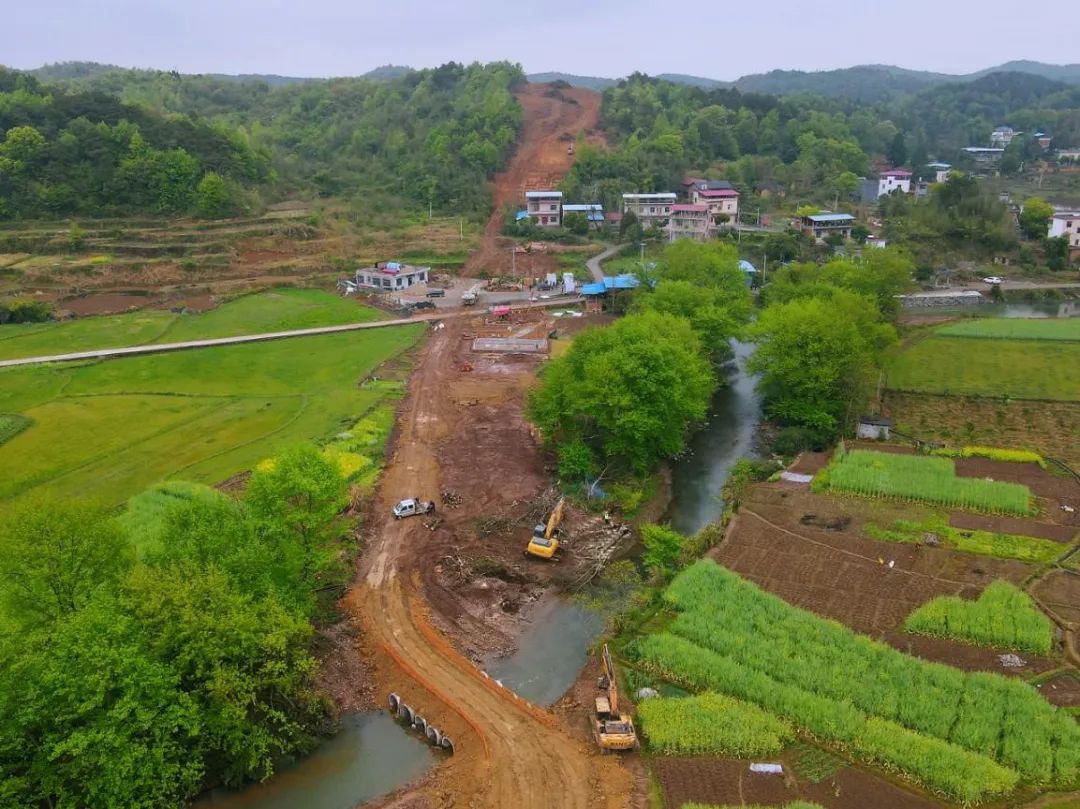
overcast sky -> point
(592, 37)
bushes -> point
(1002, 616)
(985, 543)
(24, 310)
(11, 424)
(917, 477)
(711, 724)
(931, 722)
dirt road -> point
(553, 118)
(509, 753)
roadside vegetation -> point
(984, 543)
(919, 478)
(1002, 616)
(146, 656)
(711, 724)
(966, 736)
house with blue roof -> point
(592, 211)
(823, 224)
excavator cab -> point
(614, 730)
(544, 543)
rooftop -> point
(896, 173)
(831, 217)
(689, 208)
(664, 195)
(983, 149)
(575, 208)
(719, 193)
(1067, 215)
(540, 194)
(393, 268)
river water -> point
(373, 755)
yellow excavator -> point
(544, 542)
(613, 730)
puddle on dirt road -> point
(696, 480)
(550, 652)
(371, 756)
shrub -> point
(711, 724)
(662, 548)
(1002, 616)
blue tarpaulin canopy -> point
(521, 215)
(627, 281)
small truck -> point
(413, 506)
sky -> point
(594, 37)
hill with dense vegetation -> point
(109, 141)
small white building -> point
(873, 428)
(693, 221)
(544, 207)
(391, 276)
(1003, 136)
(894, 180)
(651, 210)
(1066, 226)
(941, 171)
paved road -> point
(594, 263)
(159, 348)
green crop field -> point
(711, 724)
(1014, 328)
(1035, 550)
(1015, 369)
(1002, 616)
(109, 429)
(274, 310)
(919, 478)
(968, 736)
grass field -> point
(1015, 328)
(110, 429)
(1000, 369)
(984, 543)
(711, 724)
(275, 310)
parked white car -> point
(993, 279)
(411, 507)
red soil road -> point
(508, 753)
(540, 160)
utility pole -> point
(642, 246)
(461, 228)
(513, 262)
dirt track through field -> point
(540, 161)
(508, 752)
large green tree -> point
(629, 391)
(1035, 218)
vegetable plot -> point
(711, 724)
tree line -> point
(146, 655)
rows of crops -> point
(1002, 616)
(1015, 329)
(993, 453)
(1035, 550)
(920, 478)
(711, 724)
(967, 736)
(792, 805)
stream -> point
(373, 755)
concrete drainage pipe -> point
(395, 703)
(447, 744)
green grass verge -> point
(919, 478)
(274, 310)
(984, 543)
(11, 424)
(1067, 329)
(110, 429)
(1003, 616)
(1004, 368)
(711, 724)
(966, 736)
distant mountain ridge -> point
(866, 83)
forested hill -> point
(106, 142)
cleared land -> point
(274, 310)
(998, 369)
(1015, 328)
(109, 429)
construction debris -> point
(451, 499)
(1011, 661)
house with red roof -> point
(894, 180)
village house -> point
(693, 221)
(826, 223)
(593, 212)
(941, 171)
(894, 180)
(1003, 136)
(1066, 226)
(391, 276)
(544, 207)
(723, 203)
(651, 210)
(1068, 155)
(982, 155)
